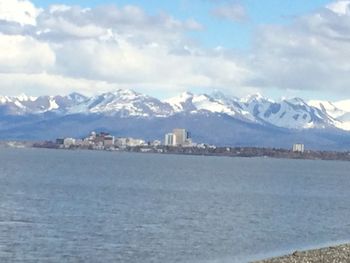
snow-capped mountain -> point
(339, 111)
(124, 103)
(288, 113)
(24, 104)
(215, 103)
(292, 113)
(212, 118)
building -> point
(60, 141)
(131, 142)
(156, 143)
(170, 139)
(87, 142)
(108, 141)
(298, 147)
(68, 142)
(180, 135)
(101, 139)
(121, 142)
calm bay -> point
(91, 206)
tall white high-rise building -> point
(298, 147)
(181, 136)
(170, 139)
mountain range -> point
(212, 118)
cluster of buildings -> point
(178, 138)
(103, 140)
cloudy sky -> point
(278, 48)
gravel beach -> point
(333, 254)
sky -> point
(277, 48)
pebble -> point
(333, 254)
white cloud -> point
(339, 7)
(23, 54)
(69, 48)
(50, 84)
(312, 53)
(66, 22)
(72, 48)
(231, 11)
(19, 11)
(59, 8)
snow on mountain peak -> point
(24, 97)
(344, 105)
(293, 113)
(326, 107)
(217, 103)
(5, 99)
(181, 102)
(124, 102)
(52, 105)
(205, 102)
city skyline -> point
(278, 49)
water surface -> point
(89, 206)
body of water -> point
(88, 206)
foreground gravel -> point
(336, 254)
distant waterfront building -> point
(99, 139)
(87, 142)
(156, 143)
(298, 147)
(170, 139)
(108, 141)
(180, 135)
(121, 142)
(79, 142)
(129, 142)
(67, 142)
(60, 141)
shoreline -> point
(329, 254)
(243, 152)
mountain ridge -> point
(294, 113)
(212, 118)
